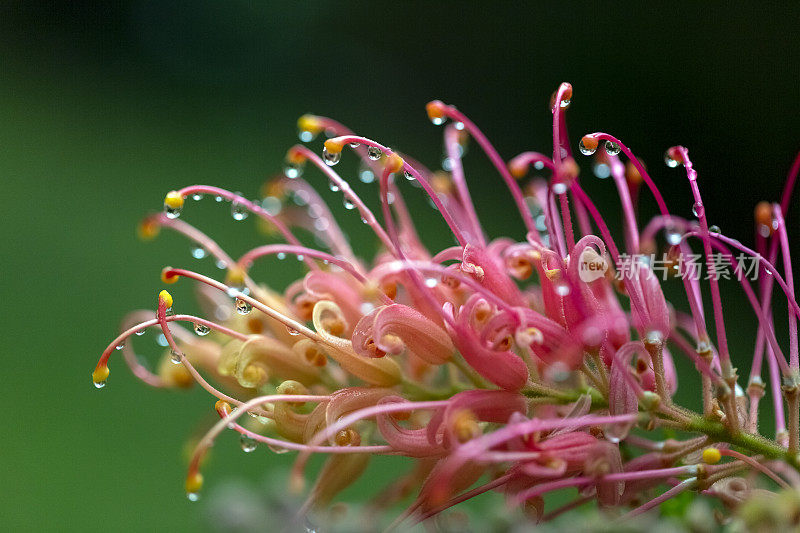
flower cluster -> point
(518, 367)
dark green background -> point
(106, 106)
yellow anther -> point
(347, 437)
(394, 163)
(167, 277)
(166, 297)
(194, 482)
(465, 425)
(309, 123)
(100, 374)
(173, 200)
(435, 110)
(253, 376)
(235, 276)
(291, 386)
(711, 456)
(334, 146)
(763, 214)
(589, 142)
(222, 407)
(148, 229)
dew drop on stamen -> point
(198, 252)
(292, 171)
(243, 307)
(430, 282)
(559, 188)
(366, 175)
(281, 256)
(538, 165)
(601, 170)
(172, 212)
(348, 204)
(669, 161)
(292, 331)
(305, 136)
(673, 237)
(447, 164)
(409, 176)
(239, 211)
(698, 209)
(192, 496)
(277, 449)
(218, 198)
(612, 148)
(175, 357)
(331, 158)
(99, 384)
(374, 153)
(437, 121)
(714, 229)
(585, 150)
(202, 330)
(197, 197)
(221, 264)
(248, 444)
(333, 187)
(120, 346)
(161, 340)
(271, 205)
(300, 257)
(355, 145)
(140, 332)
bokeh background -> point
(105, 106)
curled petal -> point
(394, 328)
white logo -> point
(591, 265)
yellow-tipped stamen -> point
(347, 437)
(465, 425)
(100, 375)
(173, 200)
(394, 163)
(168, 278)
(166, 297)
(295, 157)
(518, 169)
(235, 276)
(334, 146)
(309, 123)
(711, 456)
(194, 482)
(223, 408)
(148, 229)
(435, 111)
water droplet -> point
(612, 148)
(430, 282)
(584, 150)
(538, 165)
(218, 198)
(447, 164)
(305, 136)
(271, 205)
(703, 347)
(559, 188)
(409, 176)
(175, 357)
(202, 330)
(292, 331)
(277, 449)
(292, 170)
(565, 103)
(192, 496)
(654, 337)
(698, 209)
(459, 125)
(197, 197)
(348, 204)
(562, 288)
(221, 264)
(673, 236)
(120, 346)
(714, 229)
(437, 121)
(366, 175)
(331, 158)
(198, 252)
(355, 145)
(671, 163)
(249, 444)
(99, 384)
(601, 170)
(239, 211)
(281, 256)
(333, 187)
(300, 257)
(140, 332)
(374, 153)
(161, 340)
(366, 308)
(172, 212)
(243, 307)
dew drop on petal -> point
(331, 158)
(243, 307)
(202, 330)
(374, 153)
(562, 288)
(248, 444)
(585, 150)
(612, 148)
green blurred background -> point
(106, 106)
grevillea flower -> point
(517, 367)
